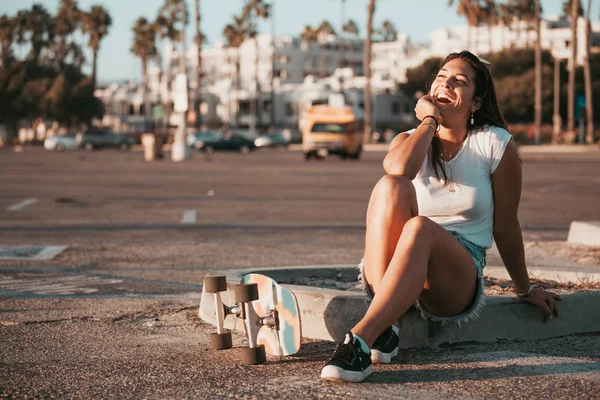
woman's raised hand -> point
(425, 106)
(546, 301)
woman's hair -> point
(488, 113)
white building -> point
(286, 74)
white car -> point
(61, 142)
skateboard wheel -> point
(254, 355)
(221, 341)
(246, 293)
(215, 284)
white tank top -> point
(466, 204)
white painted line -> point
(22, 204)
(50, 252)
(189, 217)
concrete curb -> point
(584, 232)
(328, 314)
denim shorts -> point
(477, 253)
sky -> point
(115, 62)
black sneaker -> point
(385, 347)
(348, 363)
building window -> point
(395, 108)
(289, 109)
(267, 105)
(284, 59)
(283, 74)
(406, 108)
(244, 107)
(204, 108)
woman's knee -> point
(395, 187)
(418, 228)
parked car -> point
(274, 139)
(229, 142)
(61, 142)
(95, 138)
(199, 139)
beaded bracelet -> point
(531, 287)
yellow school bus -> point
(330, 130)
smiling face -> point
(453, 89)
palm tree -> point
(589, 107)
(169, 23)
(96, 24)
(324, 30)
(309, 35)
(144, 46)
(388, 31)
(235, 33)
(538, 72)
(350, 27)
(507, 16)
(491, 15)
(471, 9)
(574, 12)
(36, 27)
(525, 11)
(367, 68)
(66, 22)
(7, 38)
(258, 10)
(199, 40)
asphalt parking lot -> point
(114, 314)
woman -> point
(451, 184)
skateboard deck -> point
(285, 340)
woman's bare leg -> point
(392, 203)
(427, 262)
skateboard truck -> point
(215, 285)
(244, 294)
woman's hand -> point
(544, 300)
(425, 106)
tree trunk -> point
(538, 74)
(257, 108)
(272, 110)
(572, 60)
(490, 51)
(147, 111)
(589, 109)
(323, 61)
(94, 65)
(238, 87)
(367, 68)
(198, 91)
(556, 120)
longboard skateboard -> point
(280, 332)
(269, 313)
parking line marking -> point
(189, 217)
(22, 204)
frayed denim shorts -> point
(477, 253)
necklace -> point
(449, 155)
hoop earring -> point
(472, 117)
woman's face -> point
(453, 89)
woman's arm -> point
(506, 184)
(407, 152)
